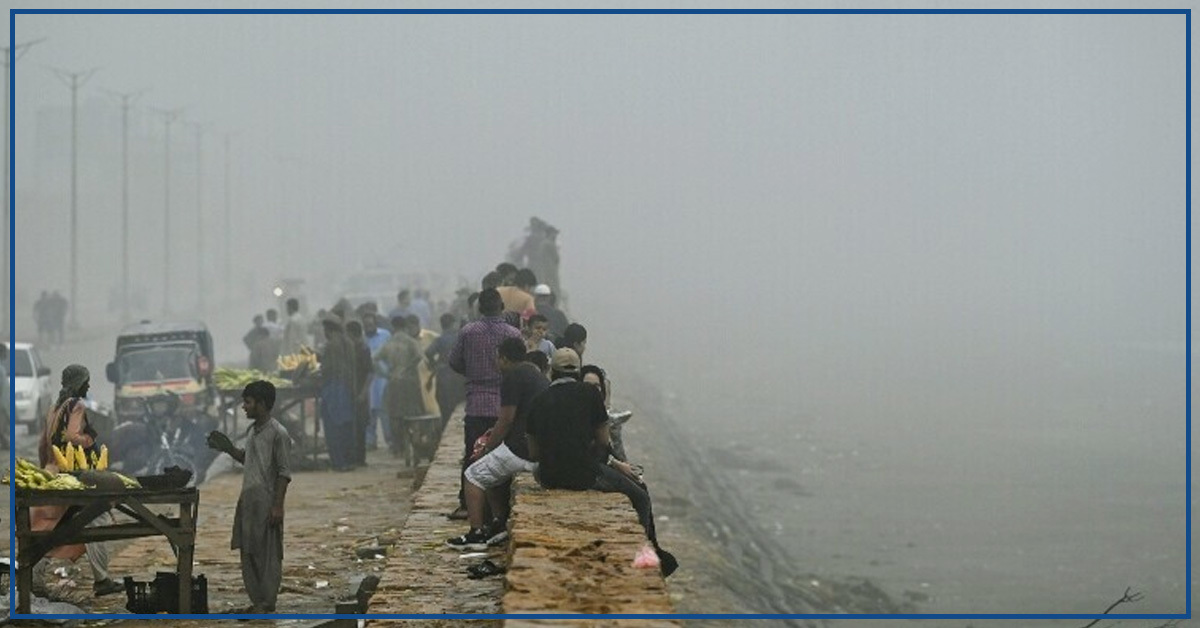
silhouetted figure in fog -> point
(42, 314)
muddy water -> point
(1044, 494)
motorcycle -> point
(162, 437)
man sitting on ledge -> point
(567, 434)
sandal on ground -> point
(483, 570)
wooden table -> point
(84, 506)
(286, 398)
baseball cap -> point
(565, 360)
(541, 290)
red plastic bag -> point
(646, 558)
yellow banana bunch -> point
(127, 481)
(306, 359)
(29, 475)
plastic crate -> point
(137, 597)
(164, 593)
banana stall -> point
(297, 399)
(59, 512)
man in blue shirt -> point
(376, 338)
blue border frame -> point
(1187, 13)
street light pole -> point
(11, 54)
(74, 80)
(227, 234)
(127, 99)
(169, 116)
(199, 128)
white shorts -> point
(497, 467)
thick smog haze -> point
(933, 265)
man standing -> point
(546, 304)
(449, 385)
(337, 395)
(420, 306)
(399, 360)
(403, 307)
(363, 374)
(506, 453)
(294, 333)
(474, 356)
(258, 520)
(376, 338)
(567, 434)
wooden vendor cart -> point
(302, 400)
(84, 506)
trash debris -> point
(321, 584)
(343, 528)
(473, 555)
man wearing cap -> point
(545, 302)
(567, 435)
(474, 357)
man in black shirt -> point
(506, 453)
(567, 433)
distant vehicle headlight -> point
(278, 291)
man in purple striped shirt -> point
(474, 357)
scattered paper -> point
(321, 584)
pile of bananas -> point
(306, 360)
(127, 481)
(31, 476)
(73, 458)
(236, 379)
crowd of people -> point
(506, 351)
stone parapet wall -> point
(572, 552)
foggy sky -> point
(859, 192)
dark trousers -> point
(473, 428)
(361, 418)
(612, 481)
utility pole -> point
(199, 128)
(73, 81)
(227, 233)
(11, 54)
(169, 116)
(127, 99)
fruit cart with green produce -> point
(53, 510)
(297, 400)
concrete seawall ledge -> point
(572, 552)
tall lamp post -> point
(199, 128)
(11, 54)
(169, 117)
(73, 81)
(127, 99)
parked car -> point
(34, 390)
